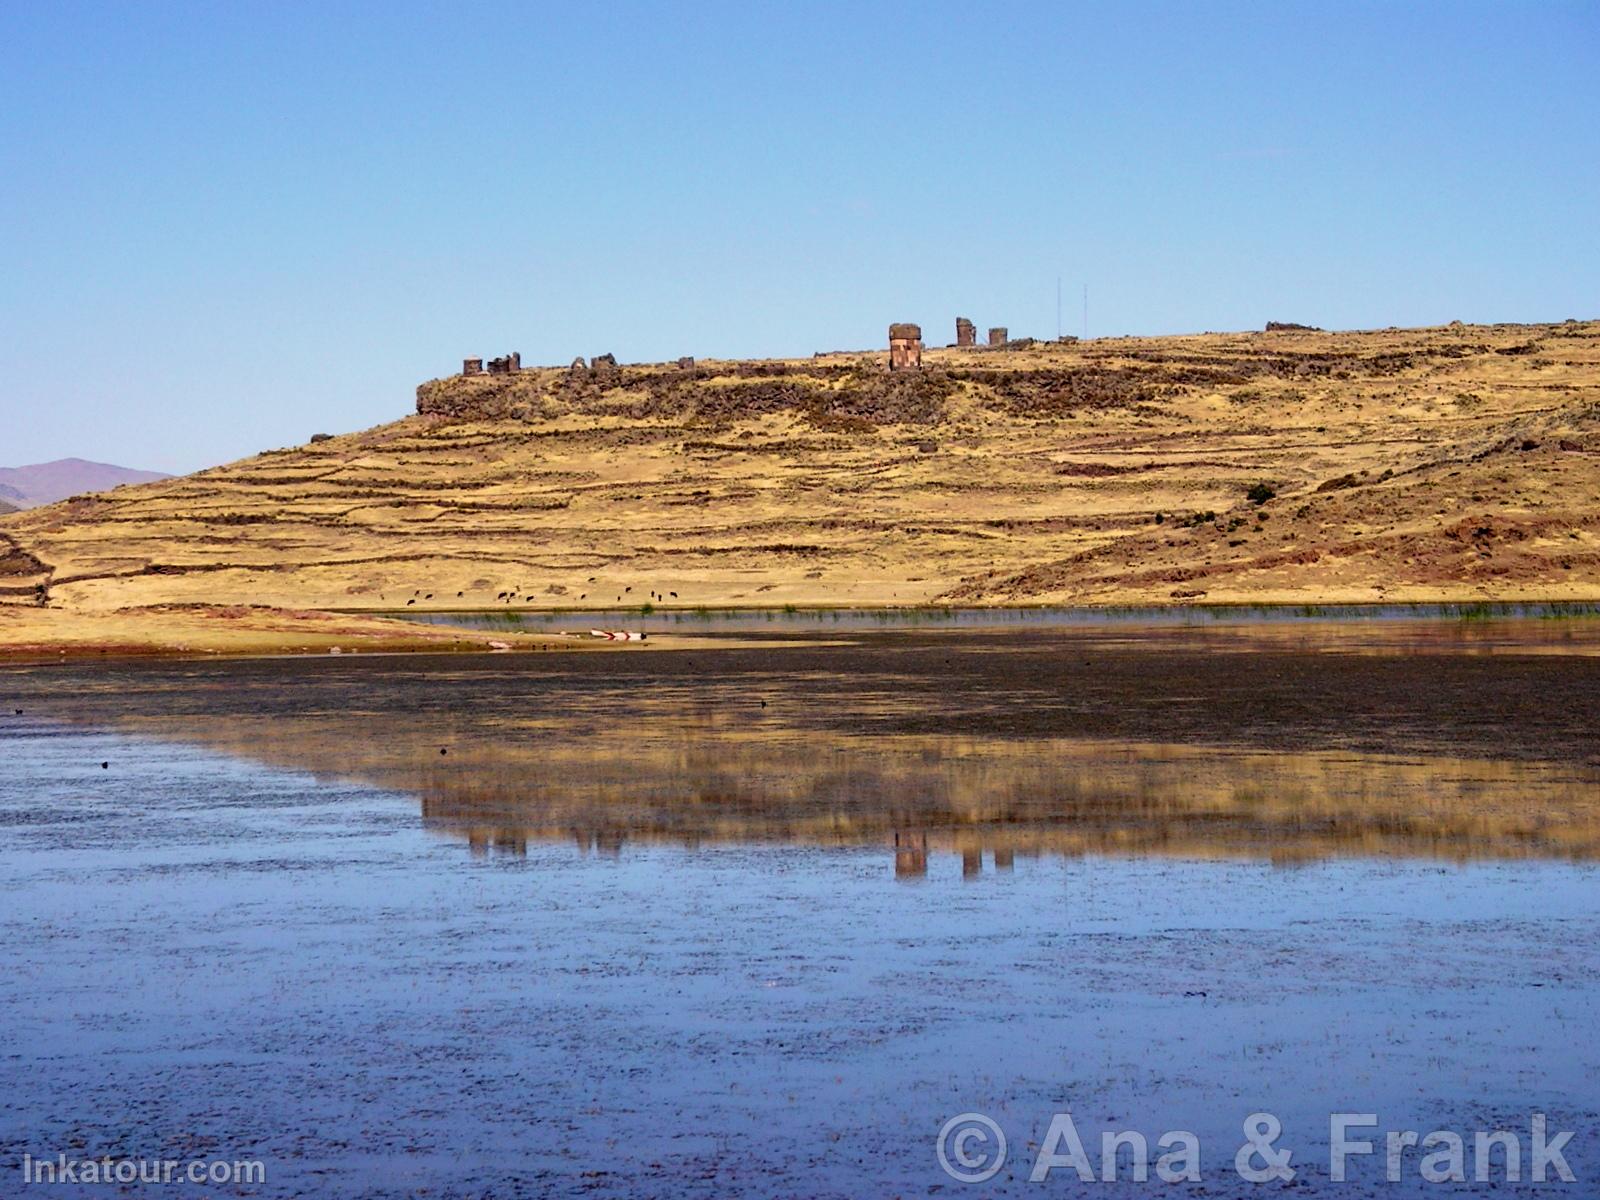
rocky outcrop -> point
(481, 397)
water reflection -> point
(601, 786)
(1286, 742)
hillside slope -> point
(1455, 463)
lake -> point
(761, 918)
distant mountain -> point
(5, 508)
(45, 483)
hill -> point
(45, 483)
(1455, 463)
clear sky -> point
(224, 227)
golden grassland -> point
(1458, 463)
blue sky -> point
(224, 227)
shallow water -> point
(758, 921)
(675, 619)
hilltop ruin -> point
(504, 365)
(491, 396)
(905, 346)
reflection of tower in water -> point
(910, 855)
(604, 842)
(501, 841)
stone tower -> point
(905, 346)
(966, 332)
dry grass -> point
(1457, 463)
(34, 632)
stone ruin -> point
(601, 369)
(967, 336)
(686, 363)
(905, 341)
(505, 365)
(905, 346)
(1291, 327)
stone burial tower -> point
(905, 346)
(966, 332)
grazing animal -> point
(627, 589)
(429, 596)
(410, 602)
(674, 595)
